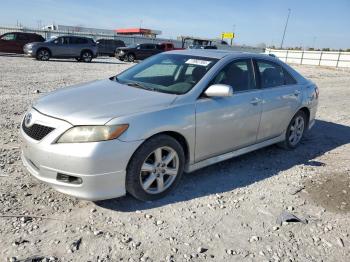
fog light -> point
(69, 179)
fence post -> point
(302, 56)
(287, 56)
(338, 59)
(319, 61)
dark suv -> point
(138, 52)
(80, 48)
(13, 42)
(108, 46)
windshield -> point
(168, 73)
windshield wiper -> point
(135, 84)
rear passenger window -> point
(271, 74)
(289, 80)
(78, 41)
(238, 74)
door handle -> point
(296, 92)
(255, 101)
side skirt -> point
(235, 153)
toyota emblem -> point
(28, 119)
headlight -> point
(79, 134)
(121, 52)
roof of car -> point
(213, 53)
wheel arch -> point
(43, 48)
(178, 137)
(306, 112)
(86, 50)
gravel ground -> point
(226, 212)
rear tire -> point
(131, 58)
(295, 131)
(155, 168)
(43, 54)
(86, 56)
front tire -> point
(295, 131)
(155, 168)
(86, 56)
(43, 55)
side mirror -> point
(219, 90)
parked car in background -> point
(179, 111)
(203, 47)
(168, 46)
(81, 48)
(108, 46)
(138, 52)
(14, 42)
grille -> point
(36, 131)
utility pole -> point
(233, 31)
(285, 27)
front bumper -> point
(101, 166)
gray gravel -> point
(226, 212)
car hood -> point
(97, 102)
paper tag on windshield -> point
(198, 62)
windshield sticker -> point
(198, 62)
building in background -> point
(78, 29)
(138, 32)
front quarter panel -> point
(176, 118)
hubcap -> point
(296, 130)
(159, 170)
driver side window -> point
(237, 74)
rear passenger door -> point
(77, 44)
(281, 98)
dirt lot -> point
(226, 212)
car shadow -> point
(11, 54)
(244, 170)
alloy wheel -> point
(87, 57)
(296, 130)
(44, 55)
(159, 170)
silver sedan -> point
(176, 112)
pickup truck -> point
(142, 51)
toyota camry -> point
(176, 112)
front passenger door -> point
(224, 124)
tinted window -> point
(77, 41)
(9, 37)
(238, 74)
(65, 40)
(23, 37)
(288, 79)
(271, 74)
